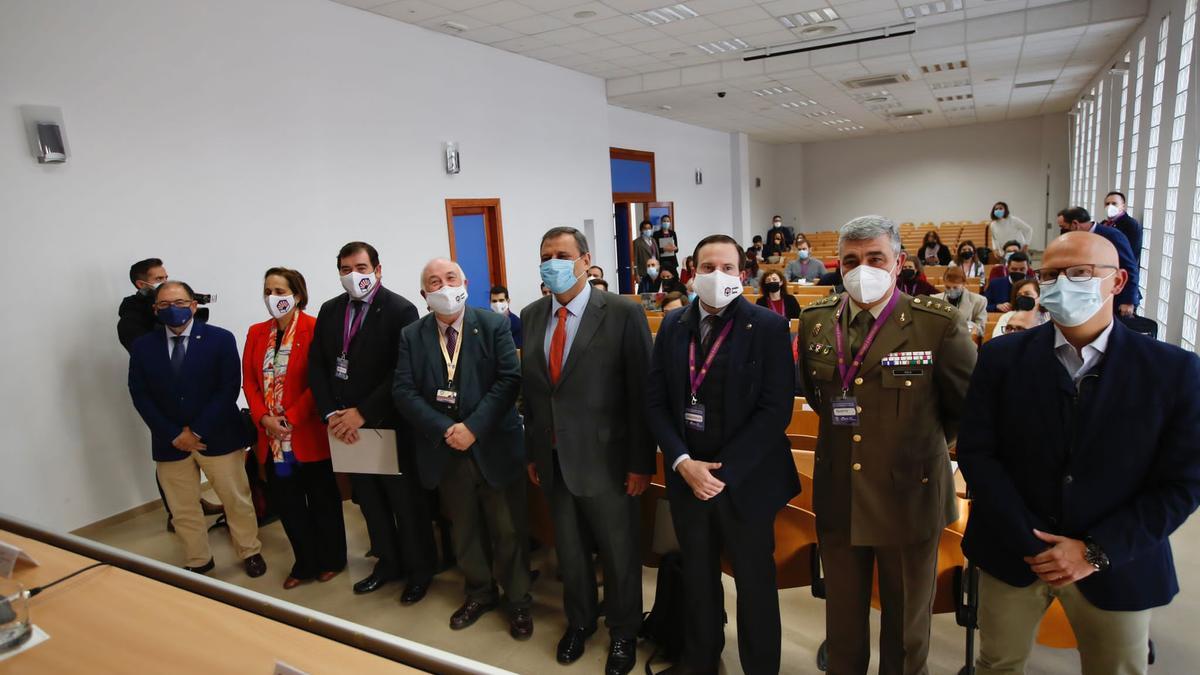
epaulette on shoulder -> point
(827, 301)
(933, 306)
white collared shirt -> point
(1080, 362)
(575, 310)
(186, 335)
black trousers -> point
(704, 530)
(614, 520)
(399, 524)
(310, 508)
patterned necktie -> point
(451, 340)
(178, 353)
(558, 345)
(712, 327)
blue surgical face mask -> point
(174, 316)
(692, 296)
(652, 272)
(998, 213)
(1072, 303)
(803, 253)
(647, 233)
(559, 275)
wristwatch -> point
(1094, 556)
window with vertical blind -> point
(1089, 199)
(1076, 150)
(1156, 99)
(1135, 127)
(1122, 139)
(1182, 89)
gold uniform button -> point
(856, 466)
(858, 380)
(857, 438)
(916, 301)
(858, 408)
(924, 481)
(908, 383)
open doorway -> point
(477, 245)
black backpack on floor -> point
(664, 623)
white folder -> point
(375, 452)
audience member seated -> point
(775, 248)
(998, 292)
(833, 278)
(546, 291)
(912, 280)
(292, 447)
(1026, 311)
(972, 306)
(968, 261)
(775, 296)
(185, 387)
(650, 282)
(778, 228)
(673, 300)
(804, 268)
(999, 270)
(689, 270)
(932, 252)
(598, 284)
(749, 271)
(668, 282)
(756, 246)
(502, 305)
(595, 272)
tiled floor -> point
(488, 640)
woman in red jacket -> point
(292, 447)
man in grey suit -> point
(644, 249)
(457, 379)
(584, 380)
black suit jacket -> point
(791, 306)
(488, 379)
(372, 358)
(756, 458)
(1130, 478)
(595, 416)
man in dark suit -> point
(351, 364)
(584, 386)
(999, 290)
(1077, 219)
(502, 305)
(1117, 215)
(1080, 508)
(457, 380)
(185, 379)
(719, 401)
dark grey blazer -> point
(489, 379)
(596, 415)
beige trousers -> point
(1110, 643)
(227, 474)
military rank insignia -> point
(907, 359)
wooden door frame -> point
(490, 209)
(636, 156)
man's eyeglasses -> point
(1009, 328)
(181, 304)
(1077, 273)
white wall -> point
(763, 198)
(226, 136)
(955, 173)
(679, 149)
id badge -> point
(447, 397)
(845, 411)
(693, 417)
(341, 370)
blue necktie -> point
(178, 353)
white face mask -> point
(447, 300)
(1112, 210)
(867, 284)
(717, 289)
(500, 307)
(358, 285)
(278, 305)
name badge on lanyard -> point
(845, 407)
(693, 413)
(448, 395)
(341, 368)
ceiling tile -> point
(490, 34)
(677, 28)
(533, 25)
(411, 11)
(594, 44)
(462, 5)
(591, 11)
(614, 25)
(566, 36)
(501, 12)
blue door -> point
(471, 253)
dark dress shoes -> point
(291, 582)
(622, 657)
(520, 624)
(469, 613)
(327, 575)
(371, 584)
(414, 593)
(570, 647)
(203, 569)
(682, 669)
(255, 565)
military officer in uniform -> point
(888, 374)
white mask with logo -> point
(867, 284)
(447, 300)
(500, 307)
(358, 285)
(278, 305)
(717, 289)
(1112, 210)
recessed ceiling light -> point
(930, 8)
(657, 17)
(676, 55)
(452, 26)
(819, 30)
(664, 107)
(943, 67)
(585, 14)
(809, 17)
(723, 46)
(772, 91)
(798, 104)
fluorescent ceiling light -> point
(723, 46)
(930, 8)
(772, 91)
(795, 105)
(657, 17)
(809, 17)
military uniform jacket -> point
(887, 481)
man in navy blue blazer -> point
(1077, 219)
(185, 378)
(1080, 508)
(719, 399)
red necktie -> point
(558, 344)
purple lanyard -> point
(350, 329)
(848, 373)
(695, 378)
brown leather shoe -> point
(326, 576)
(291, 582)
(255, 565)
(469, 613)
(520, 624)
(211, 509)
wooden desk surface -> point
(108, 620)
